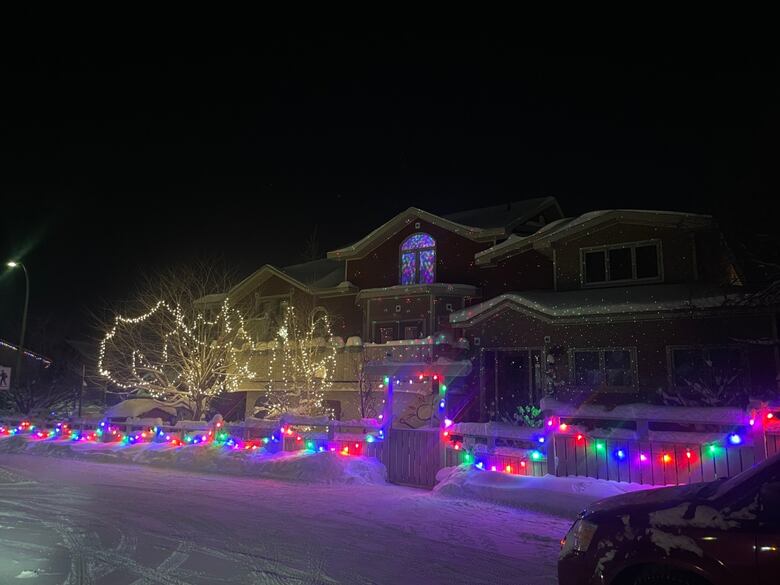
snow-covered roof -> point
(399, 290)
(323, 273)
(481, 225)
(212, 299)
(656, 298)
(565, 227)
(30, 354)
(365, 244)
(136, 407)
(504, 216)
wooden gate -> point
(414, 456)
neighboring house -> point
(614, 305)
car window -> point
(769, 497)
(769, 468)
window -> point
(386, 334)
(710, 367)
(418, 259)
(613, 367)
(411, 332)
(638, 262)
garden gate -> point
(414, 456)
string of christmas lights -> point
(198, 357)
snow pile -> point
(563, 496)
(325, 467)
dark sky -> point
(114, 164)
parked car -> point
(721, 532)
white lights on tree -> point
(176, 352)
(302, 365)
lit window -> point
(418, 259)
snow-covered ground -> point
(77, 522)
(303, 466)
(562, 496)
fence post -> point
(642, 429)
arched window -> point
(418, 259)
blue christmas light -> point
(735, 439)
(620, 454)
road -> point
(65, 521)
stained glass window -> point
(418, 241)
(408, 267)
(418, 259)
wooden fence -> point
(413, 457)
(659, 445)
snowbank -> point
(562, 496)
(326, 467)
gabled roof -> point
(570, 226)
(480, 225)
(315, 277)
(610, 304)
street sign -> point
(5, 378)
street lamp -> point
(20, 351)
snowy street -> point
(74, 522)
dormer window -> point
(622, 264)
(418, 259)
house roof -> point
(508, 215)
(323, 273)
(570, 226)
(491, 223)
(30, 354)
(315, 277)
(607, 303)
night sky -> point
(116, 164)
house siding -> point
(650, 338)
(677, 251)
(454, 258)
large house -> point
(509, 303)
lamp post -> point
(20, 352)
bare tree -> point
(303, 359)
(181, 339)
(311, 250)
(366, 388)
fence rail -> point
(659, 445)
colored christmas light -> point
(620, 454)
(735, 439)
(642, 457)
(562, 427)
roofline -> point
(544, 240)
(269, 270)
(364, 245)
(509, 302)
(439, 288)
(27, 352)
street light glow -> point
(12, 264)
